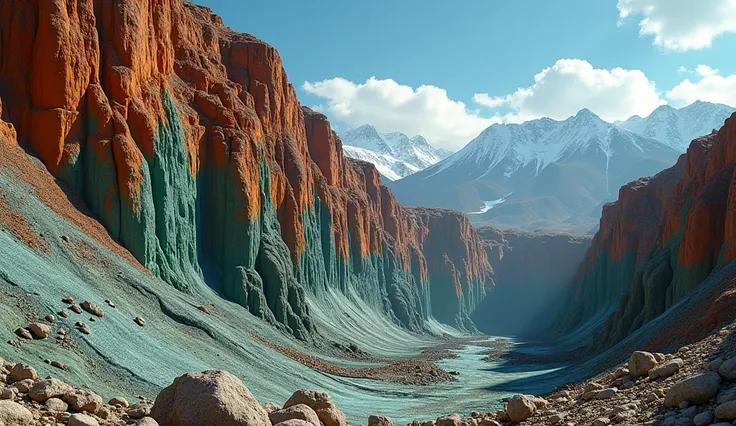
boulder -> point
(40, 330)
(93, 309)
(12, 413)
(119, 402)
(56, 404)
(603, 421)
(592, 386)
(703, 419)
(520, 408)
(715, 364)
(139, 411)
(667, 369)
(23, 386)
(727, 369)
(726, 411)
(80, 419)
(488, 422)
(640, 363)
(48, 388)
(84, 400)
(380, 421)
(696, 390)
(211, 397)
(299, 411)
(451, 420)
(22, 372)
(146, 421)
(321, 402)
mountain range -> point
(395, 155)
(549, 174)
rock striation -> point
(662, 238)
(189, 145)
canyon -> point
(157, 164)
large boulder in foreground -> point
(212, 397)
(321, 402)
(695, 390)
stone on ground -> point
(451, 420)
(12, 413)
(139, 411)
(299, 411)
(146, 421)
(119, 402)
(22, 372)
(697, 390)
(703, 419)
(321, 402)
(726, 411)
(640, 363)
(211, 397)
(48, 388)
(56, 404)
(84, 400)
(39, 330)
(80, 419)
(667, 369)
(727, 369)
(520, 408)
(380, 421)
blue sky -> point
(476, 54)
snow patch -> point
(491, 204)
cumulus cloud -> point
(710, 87)
(570, 85)
(681, 25)
(705, 71)
(392, 107)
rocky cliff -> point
(660, 240)
(189, 145)
(532, 272)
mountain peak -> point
(587, 114)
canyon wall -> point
(532, 272)
(662, 238)
(189, 145)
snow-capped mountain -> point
(677, 127)
(540, 174)
(395, 155)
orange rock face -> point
(190, 146)
(663, 237)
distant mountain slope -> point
(677, 127)
(395, 155)
(540, 174)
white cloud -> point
(392, 107)
(705, 71)
(570, 85)
(681, 69)
(682, 25)
(711, 87)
